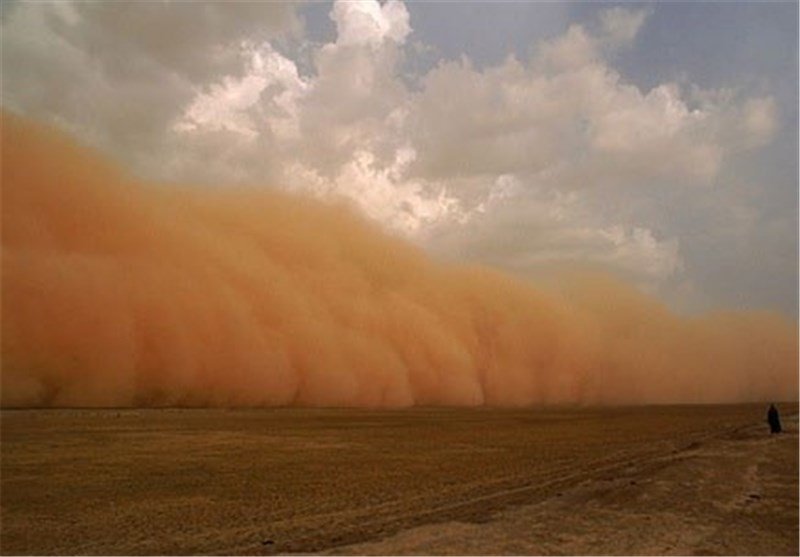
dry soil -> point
(646, 480)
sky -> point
(656, 141)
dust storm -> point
(122, 293)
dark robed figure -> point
(774, 419)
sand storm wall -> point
(116, 292)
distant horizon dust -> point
(122, 293)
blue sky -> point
(657, 141)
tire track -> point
(342, 528)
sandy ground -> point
(652, 480)
(736, 494)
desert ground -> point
(634, 480)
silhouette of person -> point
(774, 419)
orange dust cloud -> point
(119, 293)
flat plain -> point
(624, 480)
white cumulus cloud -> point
(510, 164)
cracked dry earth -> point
(638, 480)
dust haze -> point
(121, 293)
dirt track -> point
(732, 494)
(626, 480)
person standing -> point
(774, 419)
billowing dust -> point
(117, 292)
